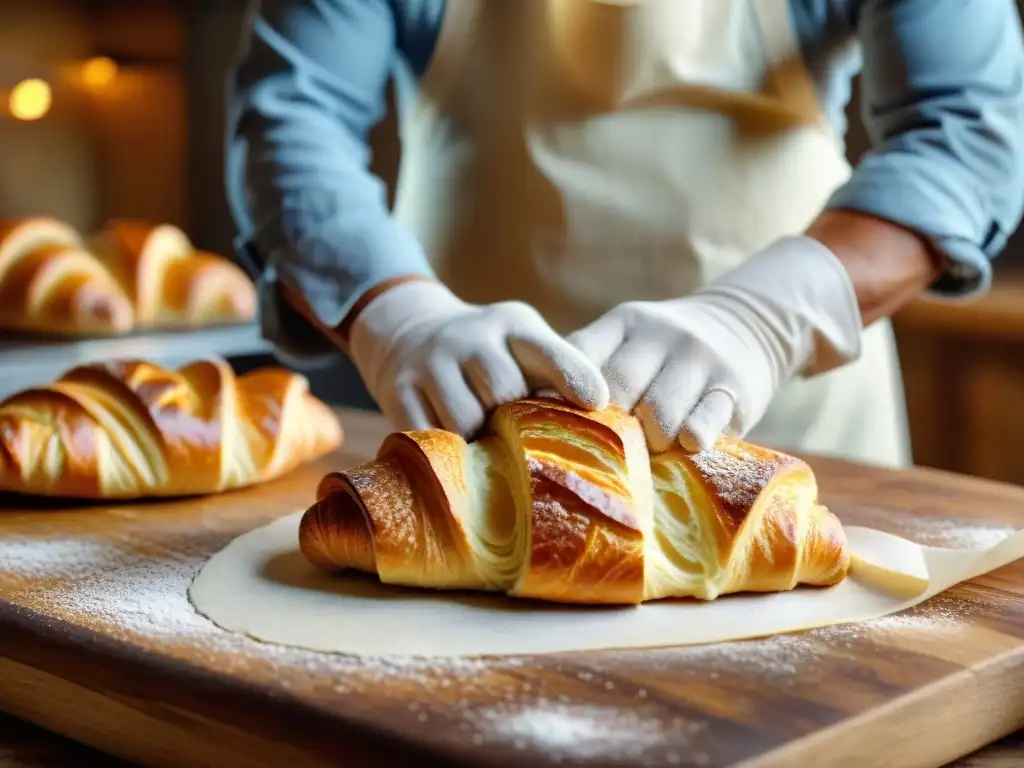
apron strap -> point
(787, 75)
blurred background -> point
(114, 108)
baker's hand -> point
(692, 369)
(431, 360)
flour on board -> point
(588, 731)
(99, 583)
(117, 592)
(955, 534)
(50, 559)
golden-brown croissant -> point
(566, 505)
(134, 429)
(170, 283)
(50, 283)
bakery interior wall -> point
(105, 148)
(149, 144)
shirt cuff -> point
(331, 267)
(891, 193)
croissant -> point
(132, 429)
(559, 504)
(49, 282)
(170, 283)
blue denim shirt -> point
(943, 104)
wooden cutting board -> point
(98, 642)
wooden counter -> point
(27, 746)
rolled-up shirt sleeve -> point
(309, 86)
(943, 104)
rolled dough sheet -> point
(261, 586)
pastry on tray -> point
(50, 283)
(566, 505)
(130, 276)
(172, 285)
(132, 429)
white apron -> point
(575, 154)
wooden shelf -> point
(963, 372)
(1000, 314)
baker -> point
(641, 201)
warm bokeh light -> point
(99, 72)
(30, 99)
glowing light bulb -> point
(99, 72)
(30, 99)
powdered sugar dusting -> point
(953, 533)
(786, 659)
(144, 600)
(956, 534)
(565, 730)
(50, 559)
(98, 583)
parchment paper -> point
(261, 586)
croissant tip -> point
(312, 537)
(834, 535)
(334, 533)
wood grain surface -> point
(23, 745)
(99, 642)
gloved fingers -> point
(495, 378)
(630, 371)
(672, 396)
(410, 409)
(599, 340)
(549, 361)
(708, 420)
(455, 404)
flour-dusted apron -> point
(575, 154)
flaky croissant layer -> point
(566, 505)
(134, 429)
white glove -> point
(693, 368)
(431, 360)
